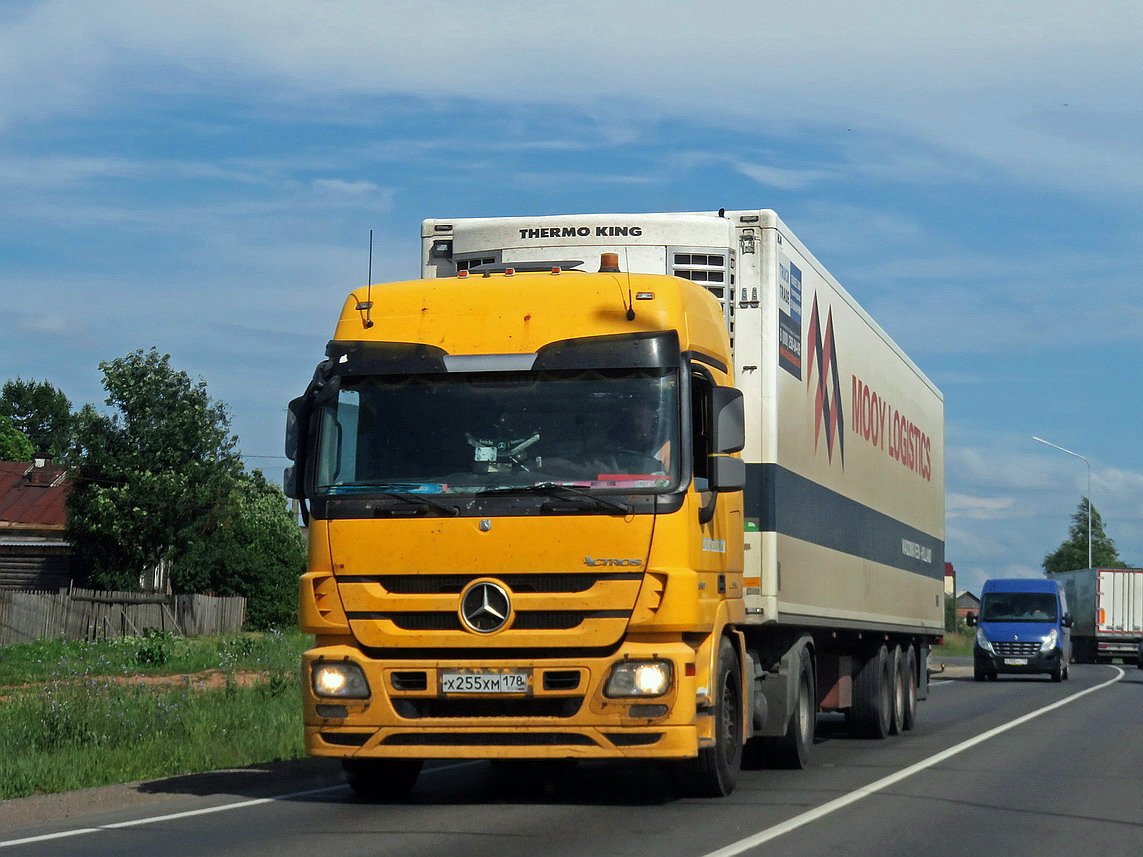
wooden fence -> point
(84, 614)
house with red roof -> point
(34, 551)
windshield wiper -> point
(551, 488)
(415, 500)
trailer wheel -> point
(897, 687)
(381, 779)
(792, 750)
(715, 771)
(909, 672)
(871, 711)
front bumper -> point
(1041, 662)
(564, 713)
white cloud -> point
(784, 179)
(985, 508)
(340, 187)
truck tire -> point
(897, 686)
(381, 779)
(871, 712)
(792, 750)
(715, 771)
(909, 672)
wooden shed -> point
(34, 551)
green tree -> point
(256, 550)
(152, 477)
(14, 444)
(1072, 553)
(42, 412)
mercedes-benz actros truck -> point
(646, 486)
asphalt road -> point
(1016, 767)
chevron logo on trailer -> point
(828, 415)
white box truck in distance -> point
(642, 486)
(1107, 612)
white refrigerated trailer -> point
(843, 533)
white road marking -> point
(832, 806)
(208, 810)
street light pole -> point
(1088, 463)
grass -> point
(76, 715)
(160, 653)
(956, 644)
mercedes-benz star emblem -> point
(485, 607)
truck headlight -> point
(1049, 641)
(982, 641)
(638, 678)
(339, 679)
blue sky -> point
(202, 178)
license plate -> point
(486, 681)
(1016, 662)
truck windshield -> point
(606, 430)
(1018, 607)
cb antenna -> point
(630, 300)
(366, 305)
(609, 264)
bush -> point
(257, 551)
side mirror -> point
(970, 619)
(297, 426)
(290, 485)
(1067, 620)
(729, 420)
(727, 474)
(294, 416)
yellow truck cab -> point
(525, 525)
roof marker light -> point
(644, 296)
(508, 272)
(609, 263)
(555, 269)
(462, 274)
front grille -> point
(427, 621)
(488, 739)
(452, 584)
(548, 620)
(427, 708)
(1017, 649)
(525, 620)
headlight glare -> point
(1049, 641)
(639, 679)
(339, 679)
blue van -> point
(1022, 628)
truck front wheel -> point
(381, 779)
(715, 771)
(792, 750)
